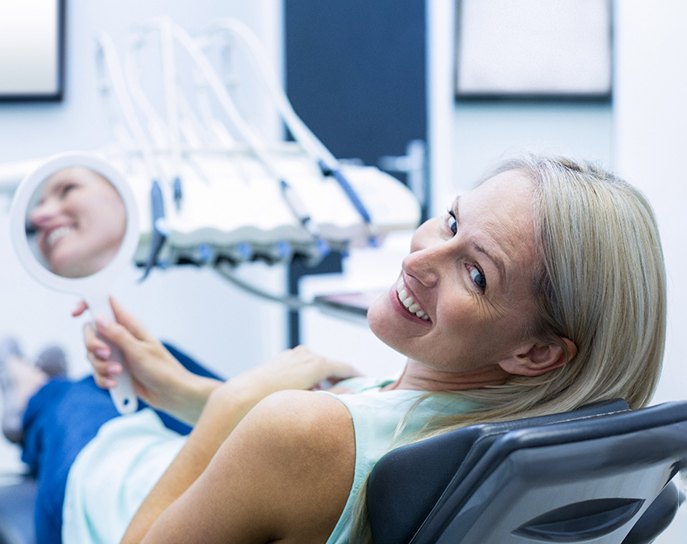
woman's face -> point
(80, 222)
(467, 282)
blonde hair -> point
(601, 283)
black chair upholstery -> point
(583, 476)
(447, 457)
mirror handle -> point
(123, 394)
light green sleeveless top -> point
(377, 416)
(113, 474)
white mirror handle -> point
(123, 395)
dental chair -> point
(602, 474)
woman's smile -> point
(55, 234)
(408, 301)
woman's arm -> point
(164, 383)
(283, 475)
(159, 379)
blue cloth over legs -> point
(59, 421)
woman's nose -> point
(42, 214)
(425, 263)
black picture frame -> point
(47, 58)
(509, 50)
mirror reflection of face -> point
(79, 221)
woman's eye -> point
(451, 222)
(67, 188)
(477, 277)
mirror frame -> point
(18, 220)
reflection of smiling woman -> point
(80, 221)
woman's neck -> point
(419, 376)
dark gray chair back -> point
(582, 476)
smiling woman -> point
(453, 301)
(79, 222)
(539, 291)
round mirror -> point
(74, 222)
(74, 227)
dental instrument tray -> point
(234, 212)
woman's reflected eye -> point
(66, 189)
(451, 222)
(477, 277)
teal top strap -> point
(383, 420)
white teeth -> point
(57, 234)
(409, 303)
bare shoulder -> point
(301, 446)
(313, 431)
(303, 415)
(283, 475)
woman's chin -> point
(69, 268)
(380, 320)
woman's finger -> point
(81, 307)
(108, 369)
(341, 370)
(129, 321)
(94, 344)
(105, 382)
(118, 334)
(332, 368)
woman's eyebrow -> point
(498, 263)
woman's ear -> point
(539, 358)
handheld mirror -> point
(74, 227)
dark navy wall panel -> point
(355, 73)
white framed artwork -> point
(534, 49)
(31, 50)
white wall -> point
(199, 311)
(650, 121)
(650, 144)
(485, 133)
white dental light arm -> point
(326, 161)
(299, 130)
(112, 66)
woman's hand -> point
(297, 368)
(159, 379)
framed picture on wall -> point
(530, 49)
(31, 50)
